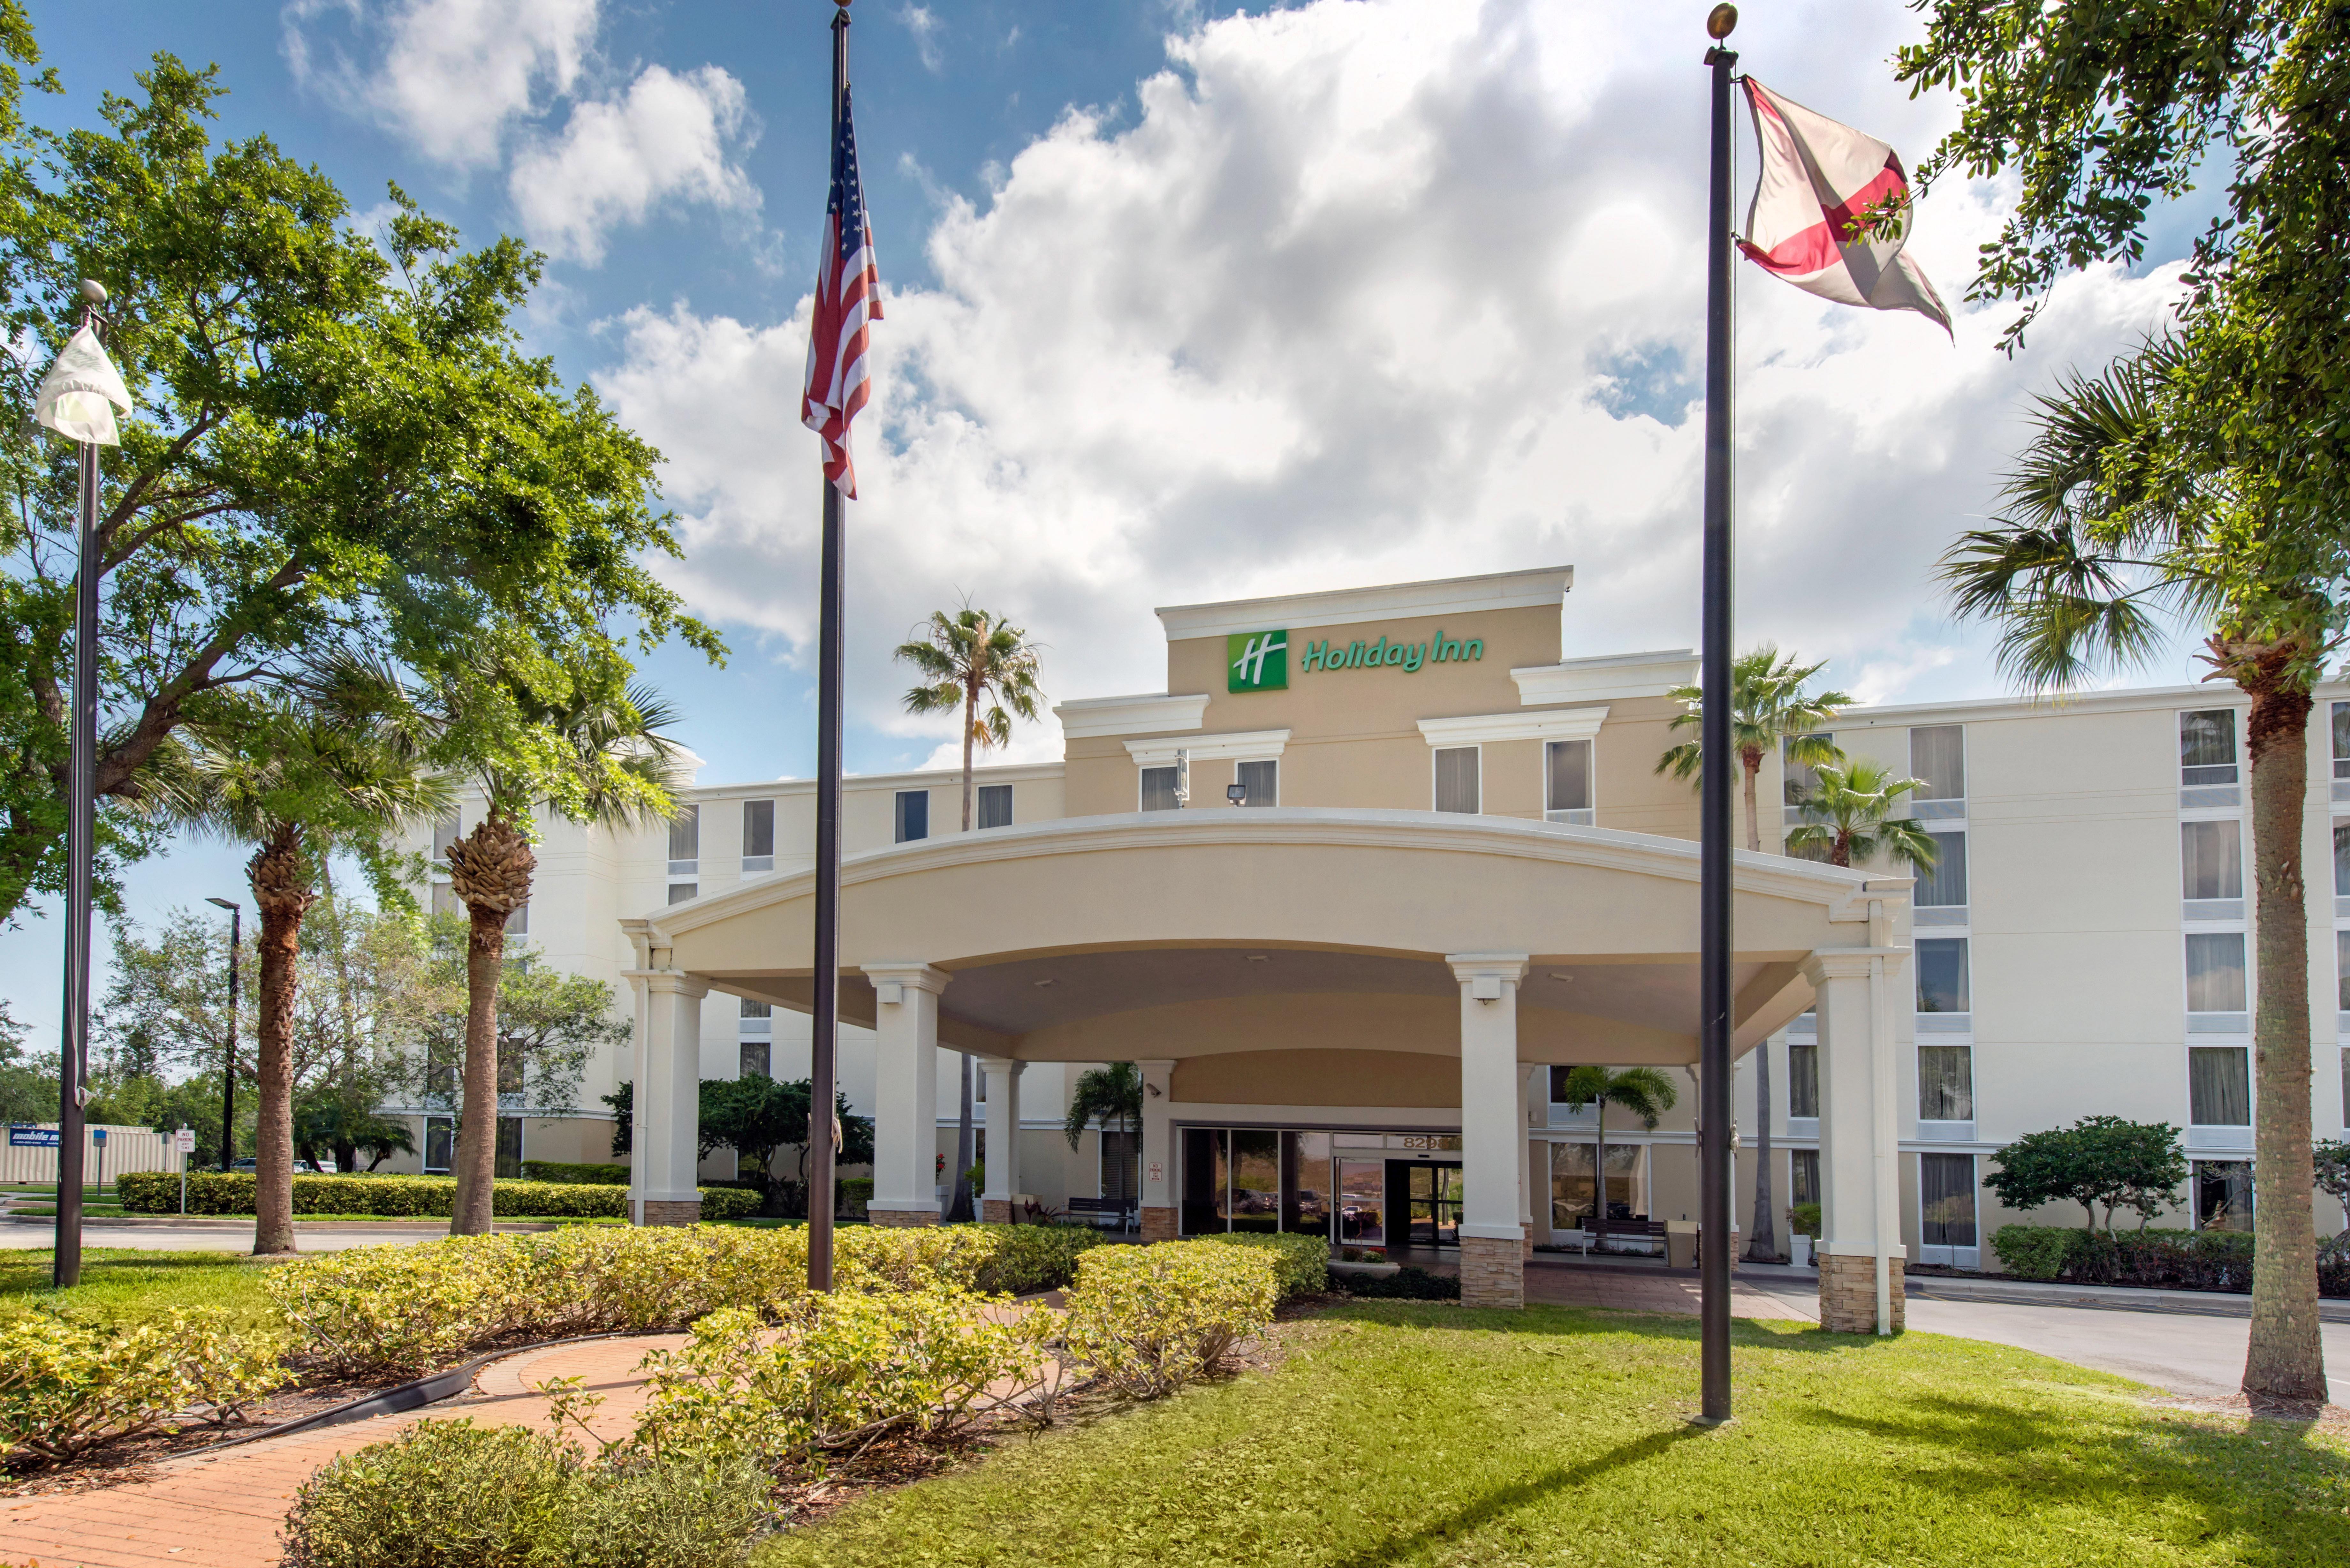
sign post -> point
(184, 1143)
(98, 1140)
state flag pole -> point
(824, 1074)
(1715, 928)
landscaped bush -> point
(420, 1197)
(68, 1385)
(1804, 1219)
(838, 1370)
(1406, 1284)
(1304, 1262)
(2150, 1259)
(1030, 1258)
(598, 1174)
(2031, 1252)
(1150, 1319)
(448, 1494)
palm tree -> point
(2118, 517)
(1643, 1091)
(966, 658)
(1848, 816)
(1104, 1095)
(298, 779)
(596, 755)
(1770, 709)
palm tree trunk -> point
(959, 1206)
(970, 712)
(2285, 1362)
(1762, 1244)
(1752, 767)
(1599, 1172)
(281, 891)
(490, 871)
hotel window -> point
(758, 1059)
(685, 842)
(519, 920)
(683, 892)
(1570, 1183)
(1259, 782)
(1567, 781)
(2218, 1086)
(2223, 1194)
(1158, 790)
(1944, 886)
(757, 1016)
(1945, 1199)
(444, 900)
(1943, 986)
(1803, 1177)
(2206, 747)
(1797, 788)
(912, 814)
(2341, 740)
(1946, 1084)
(1938, 754)
(758, 835)
(995, 805)
(2215, 974)
(439, 1136)
(1456, 779)
(1804, 1080)
(2211, 855)
(449, 828)
(2342, 857)
(2341, 970)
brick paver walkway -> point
(222, 1510)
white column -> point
(1860, 1174)
(1003, 1134)
(1533, 1199)
(637, 1037)
(667, 1141)
(905, 1092)
(1157, 1220)
(1493, 1129)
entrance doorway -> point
(1430, 1197)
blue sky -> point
(1184, 303)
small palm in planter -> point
(1643, 1091)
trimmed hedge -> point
(1409, 1284)
(420, 1197)
(602, 1174)
(1301, 1263)
(2148, 1259)
(1030, 1258)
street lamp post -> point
(228, 1046)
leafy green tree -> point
(2095, 547)
(1848, 816)
(754, 1117)
(2209, 475)
(28, 1084)
(1773, 709)
(2098, 1162)
(977, 661)
(334, 444)
(2332, 1163)
(296, 779)
(1643, 1091)
(588, 749)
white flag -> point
(74, 396)
(1832, 211)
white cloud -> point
(668, 139)
(1373, 291)
(454, 74)
(923, 24)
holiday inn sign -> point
(1260, 660)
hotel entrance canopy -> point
(1294, 956)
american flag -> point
(848, 297)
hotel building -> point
(1379, 866)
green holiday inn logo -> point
(1260, 661)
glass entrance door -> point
(1433, 1199)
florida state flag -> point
(1832, 211)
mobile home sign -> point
(1259, 660)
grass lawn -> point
(122, 1285)
(1400, 1433)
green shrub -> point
(2031, 1252)
(849, 1365)
(1031, 1258)
(598, 1174)
(408, 1197)
(1304, 1262)
(1150, 1319)
(67, 1385)
(683, 1510)
(1804, 1219)
(442, 1494)
(855, 1193)
(1406, 1284)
